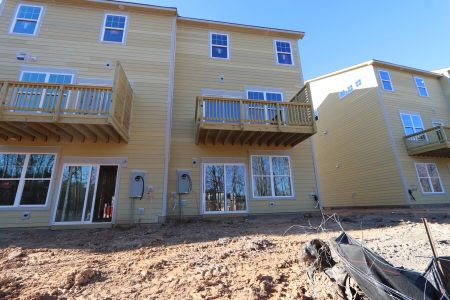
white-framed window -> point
(412, 123)
(25, 179)
(429, 179)
(386, 81)
(219, 45)
(224, 187)
(284, 53)
(27, 19)
(271, 176)
(421, 86)
(114, 28)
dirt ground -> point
(233, 259)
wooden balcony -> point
(67, 112)
(430, 142)
(253, 122)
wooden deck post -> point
(3, 94)
(242, 113)
(58, 103)
(278, 116)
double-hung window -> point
(386, 81)
(26, 20)
(219, 45)
(284, 53)
(429, 179)
(25, 179)
(412, 123)
(421, 86)
(114, 28)
(271, 176)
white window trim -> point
(2, 6)
(429, 179)
(125, 29)
(411, 114)
(227, 46)
(276, 53)
(390, 80)
(417, 86)
(273, 197)
(120, 162)
(264, 92)
(14, 20)
(22, 179)
(228, 163)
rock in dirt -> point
(81, 278)
(9, 288)
(258, 245)
(87, 276)
(16, 253)
(45, 296)
(264, 287)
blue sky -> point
(340, 33)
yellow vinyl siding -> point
(252, 63)
(356, 165)
(405, 98)
(69, 38)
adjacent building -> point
(383, 136)
(114, 113)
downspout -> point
(169, 115)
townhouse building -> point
(383, 136)
(117, 113)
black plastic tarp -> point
(379, 279)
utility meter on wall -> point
(184, 181)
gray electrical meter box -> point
(184, 181)
(138, 182)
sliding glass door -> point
(224, 188)
(86, 194)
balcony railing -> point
(243, 121)
(430, 142)
(66, 111)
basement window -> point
(114, 28)
(271, 176)
(386, 81)
(25, 179)
(284, 53)
(219, 46)
(429, 179)
(27, 19)
(421, 86)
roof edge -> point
(293, 33)
(375, 62)
(140, 5)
